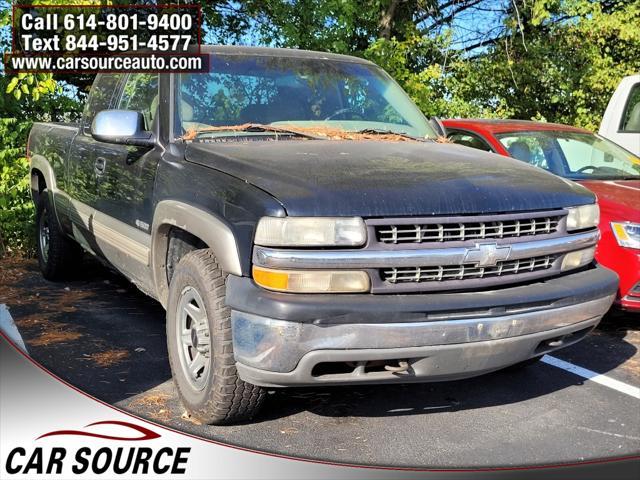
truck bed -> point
(51, 141)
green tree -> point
(24, 98)
(555, 60)
(16, 208)
(558, 60)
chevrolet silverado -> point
(296, 217)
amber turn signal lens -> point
(312, 281)
(272, 279)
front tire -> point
(200, 344)
(58, 255)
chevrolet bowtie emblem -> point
(487, 254)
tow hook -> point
(403, 366)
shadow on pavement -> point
(96, 331)
(491, 390)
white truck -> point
(621, 120)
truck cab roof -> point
(280, 52)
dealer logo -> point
(120, 460)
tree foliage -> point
(16, 208)
(561, 63)
(554, 60)
(24, 98)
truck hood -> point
(381, 179)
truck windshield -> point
(573, 155)
(309, 94)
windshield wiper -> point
(379, 131)
(246, 127)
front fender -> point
(214, 231)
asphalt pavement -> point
(101, 334)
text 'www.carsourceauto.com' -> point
(138, 63)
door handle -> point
(100, 165)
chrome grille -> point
(466, 271)
(448, 232)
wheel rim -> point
(194, 340)
(44, 234)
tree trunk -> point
(386, 20)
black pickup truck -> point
(296, 217)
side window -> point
(580, 154)
(588, 152)
(631, 116)
(102, 91)
(140, 94)
(469, 140)
(530, 149)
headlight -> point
(312, 281)
(583, 217)
(578, 259)
(311, 232)
(627, 234)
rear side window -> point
(528, 148)
(631, 116)
(102, 92)
(469, 140)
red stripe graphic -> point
(146, 433)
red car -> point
(607, 169)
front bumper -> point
(630, 303)
(629, 291)
(437, 337)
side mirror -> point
(438, 126)
(121, 126)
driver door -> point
(125, 183)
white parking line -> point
(593, 376)
(617, 435)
